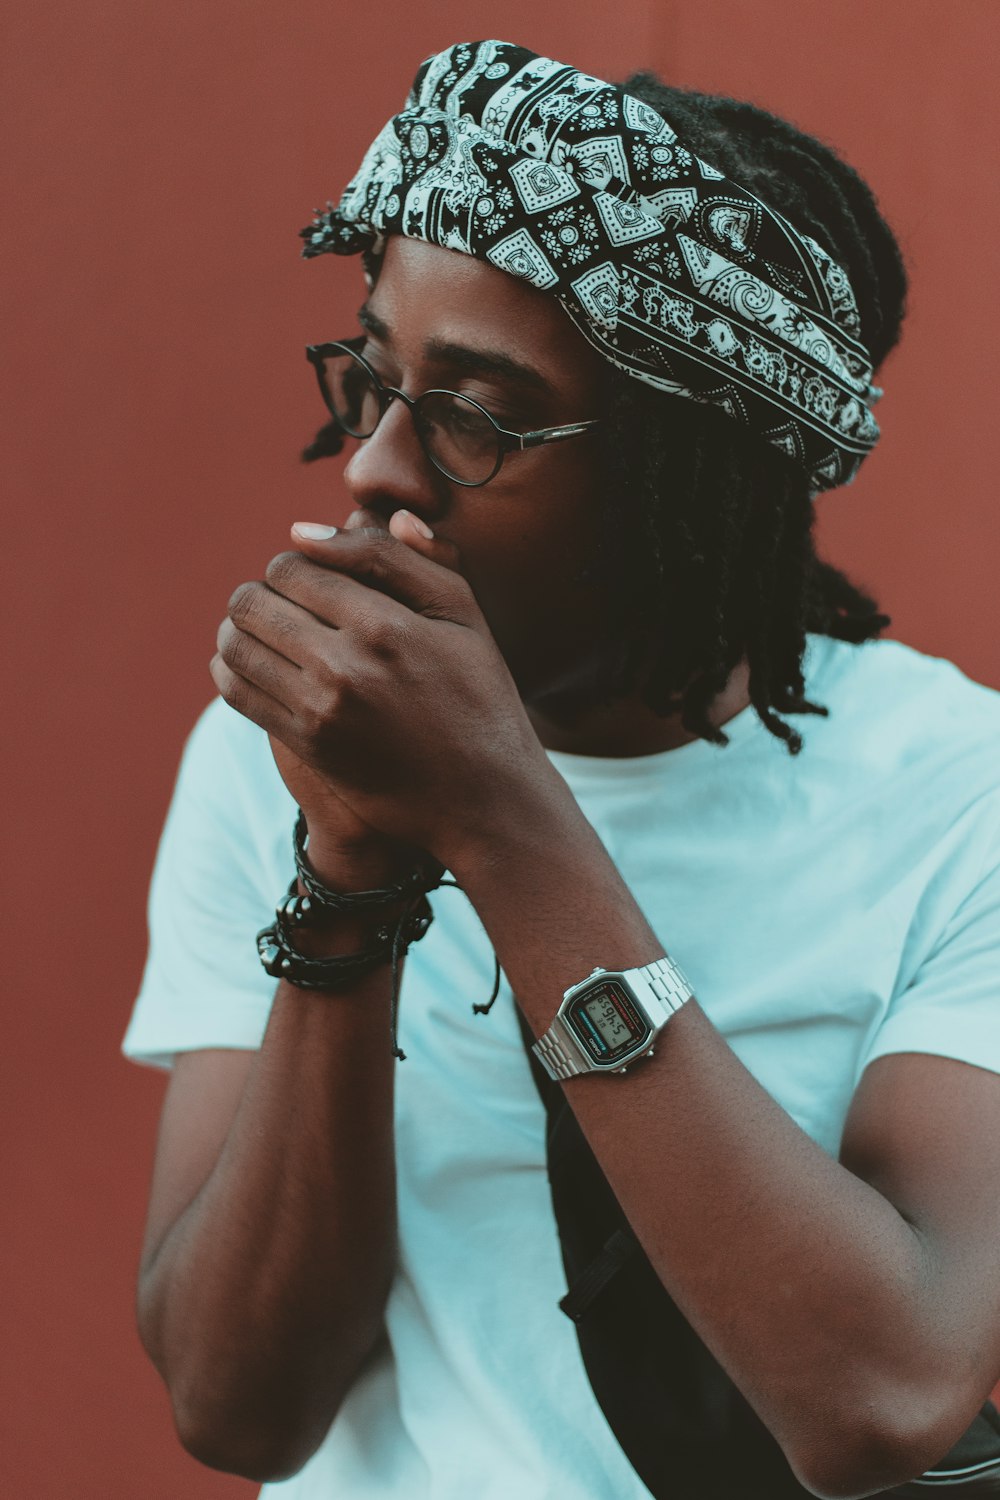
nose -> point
(390, 471)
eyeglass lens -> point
(457, 437)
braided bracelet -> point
(417, 882)
(282, 960)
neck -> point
(628, 727)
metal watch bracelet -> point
(661, 988)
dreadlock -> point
(717, 560)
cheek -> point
(528, 589)
(535, 558)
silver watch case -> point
(656, 991)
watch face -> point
(605, 1021)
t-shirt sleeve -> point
(950, 1006)
(211, 891)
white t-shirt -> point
(827, 909)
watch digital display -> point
(605, 1021)
(606, 1016)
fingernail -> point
(314, 532)
(418, 525)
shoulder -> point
(899, 712)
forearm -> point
(267, 1293)
(809, 1287)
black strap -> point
(683, 1425)
(592, 1281)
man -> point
(352, 1269)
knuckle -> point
(240, 600)
(377, 546)
(463, 590)
(284, 631)
(235, 691)
(236, 648)
(444, 603)
(320, 710)
(284, 568)
(376, 538)
(384, 637)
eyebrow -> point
(462, 357)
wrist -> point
(552, 900)
(538, 814)
(374, 876)
(359, 866)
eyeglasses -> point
(459, 436)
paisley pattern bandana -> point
(675, 273)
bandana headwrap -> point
(675, 273)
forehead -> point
(424, 292)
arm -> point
(856, 1304)
(270, 1242)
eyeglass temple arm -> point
(554, 434)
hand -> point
(342, 846)
(371, 662)
(339, 840)
(344, 850)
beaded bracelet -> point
(282, 960)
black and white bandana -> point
(675, 273)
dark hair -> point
(716, 560)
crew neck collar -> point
(740, 730)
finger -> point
(251, 701)
(404, 525)
(416, 533)
(251, 659)
(284, 623)
(333, 600)
(379, 559)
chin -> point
(566, 697)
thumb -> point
(403, 525)
(392, 567)
(408, 528)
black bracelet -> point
(282, 960)
(417, 882)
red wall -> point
(165, 156)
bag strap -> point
(681, 1422)
(677, 1416)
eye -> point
(466, 420)
(372, 356)
(514, 418)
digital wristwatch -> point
(612, 1018)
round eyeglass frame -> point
(507, 442)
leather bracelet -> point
(298, 911)
(282, 960)
(417, 882)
